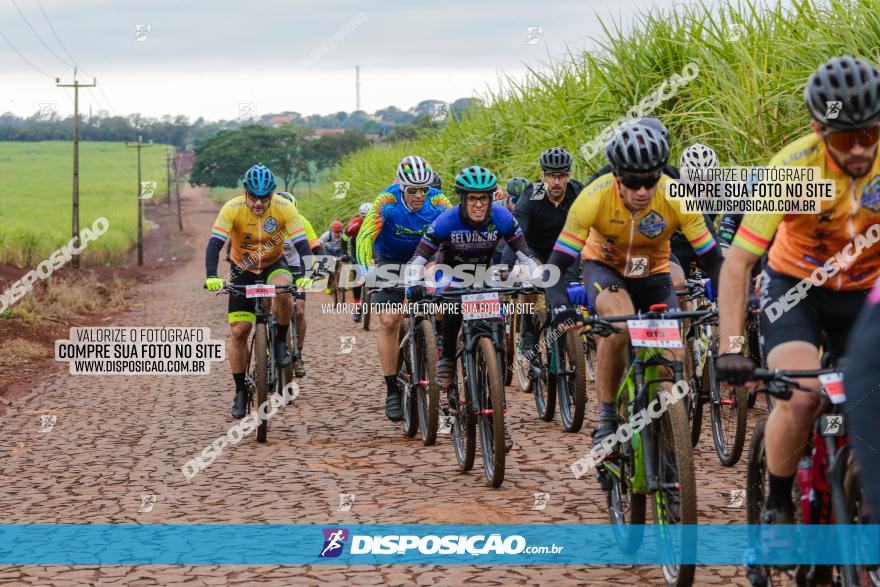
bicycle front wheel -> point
(429, 392)
(544, 385)
(408, 386)
(261, 376)
(491, 411)
(572, 384)
(729, 410)
(676, 501)
(464, 426)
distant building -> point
(277, 120)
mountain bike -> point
(827, 489)
(475, 399)
(265, 373)
(655, 458)
(417, 374)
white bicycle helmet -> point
(415, 171)
(698, 155)
(288, 196)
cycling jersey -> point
(541, 220)
(456, 241)
(634, 244)
(333, 241)
(350, 232)
(804, 242)
(258, 241)
(291, 255)
(394, 228)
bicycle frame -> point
(471, 332)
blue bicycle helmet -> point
(259, 181)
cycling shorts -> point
(394, 296)
(643, 291)
(242, 308)
(821, 311)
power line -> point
(25, 59)
(37, 35)
(57, 38)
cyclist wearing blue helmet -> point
(257, 224)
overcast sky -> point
(204, 58)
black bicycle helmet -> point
(516, 186)
(437, 181)
(844, 93)
(654, 123)
(637, 149)
(556, 159)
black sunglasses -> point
(636, 182)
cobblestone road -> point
(117, 438)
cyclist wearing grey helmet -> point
(621, 226)
(824, 249)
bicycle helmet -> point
(698, 155)
(365, 208)
(335, 226)
(289, 197)
(637, 149)
(555, 159)
(654, 123)
(415, 171)
(844, 93)
(475, 179)
(437, 181)
(516, 186)
(259, 181)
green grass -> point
(36, 180)
(745, 102)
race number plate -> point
(655, 333)
(259, 291)
(481, 306)
(832, 383)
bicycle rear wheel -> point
(729, 411)
(464, 426)
(509, 346)
(572, 386)
(491, 408)
(676, 501)
(429, 393)
(261, 376)
(520, 362)
(857, 513)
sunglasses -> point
(639, 181)
(845, 140)
(412, 190)
(556, 176)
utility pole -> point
(357, 87)
(76, 86)
(177, 189)
(168, 175)
(140, 145)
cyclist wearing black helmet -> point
(824, 250)
(620, 226)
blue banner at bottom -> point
(252, 544)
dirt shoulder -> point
(89, 296)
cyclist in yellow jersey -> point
(621, 226)
(257, 224)
(820, 267)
